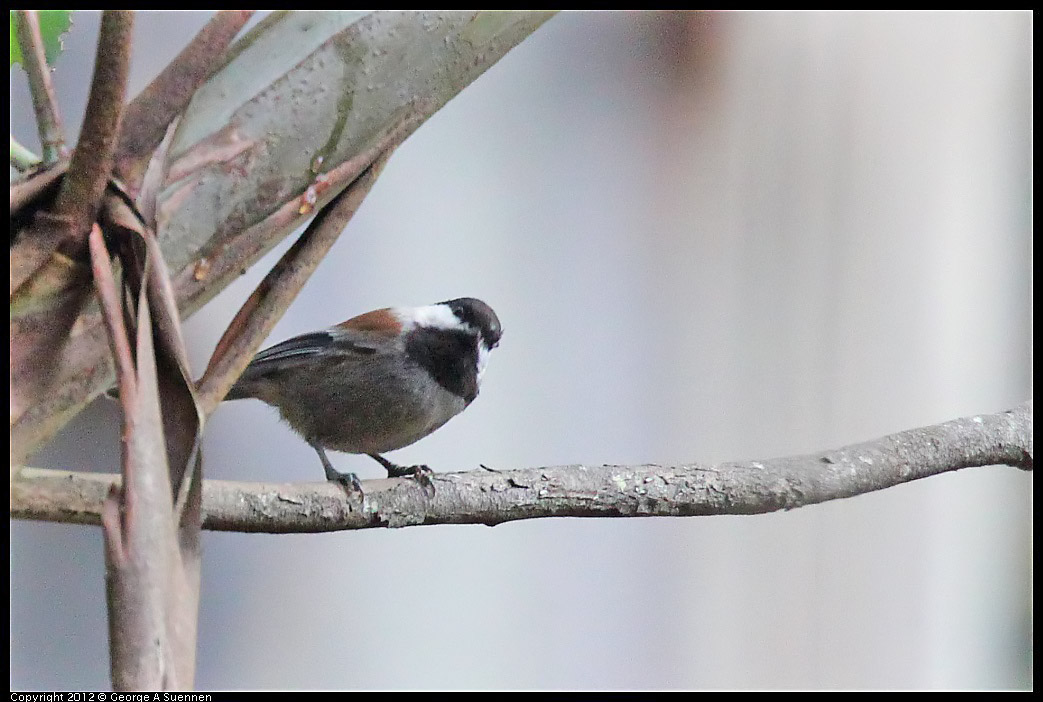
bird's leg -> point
(348, 480)
(421, 474)
(397, 471)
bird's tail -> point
(239, 391)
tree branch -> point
(493, 497)
(22, 158)
(80, 194)
(45, 104)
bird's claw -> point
(349, 481)
(422, 475)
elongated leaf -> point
(304, 93)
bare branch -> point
(80, 195)
(494, 497)
(151, 112)
(22, 158)
(48, 119)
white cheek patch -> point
(434, 316)
(483, 359)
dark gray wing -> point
(300, 349)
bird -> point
(377, 382)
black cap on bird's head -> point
(479, 315)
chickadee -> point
(377, 382)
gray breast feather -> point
(370, 404)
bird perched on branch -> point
(377, 382)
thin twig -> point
(35, 187)
(484, 497)
(149, 114)
(34, 59)
(22, 158)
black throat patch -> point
(450, 356)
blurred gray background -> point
(709, 237)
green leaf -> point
(53, 24)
